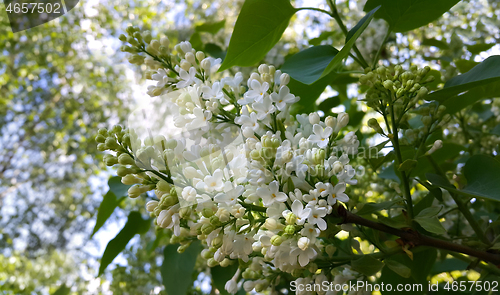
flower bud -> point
(373, 123)
(303, 243)
(190, 58)
(110, 160)
(130, 179)
(271, 224)
(388, 84)
(217, 242)
(212, 262)
(205, 65)
(342, 120)
(263, 69)
(276, 240)
(207, 229)
(126, 159)
(226, 262)
(330, 250)
(314, 118)
(151, 205)
(331, 122)
(284, 79)
(437, 145)
(290, 229)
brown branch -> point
(417, 239)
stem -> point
(461, 205)
(375, 59)
(404, 177)
(336, 16)
(417, 239)
(315, 9)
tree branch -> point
(417, 239)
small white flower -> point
(264, 108)
(189, 194)
(299, 211)
(256, 93)
(320, 136)
(316, 217)
(310, 231)
(187, 78)
(212, 182)
(283, 98)
(271, 194)
(338, 194)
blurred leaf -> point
(369, 208)
(177, 269)
(329, 103)
(404, 16)
(211, 28)
(323, 36)
(425, 202)
(215, 51)
(195, 41)
(62, 290)
(308, 65)
(351, 38)
(258, 28)
(464, 65)
(367, 265)
(398, 268)
(107, 207)
(448, 265)
(478, 48)
(220, 275)
(436, 43)
(135, 225)
(117, 187)
(496, 130)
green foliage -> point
(211, 28)
(398, 268)
(482, 174)
(259, 27)
(308, 65)
(135, 225)
(220, 275)
(107, 207)
(404, 16)
(367, 265)
(177, 269)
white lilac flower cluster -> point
(254, 183)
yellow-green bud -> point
(373, 123)
(207, 254)
(215, 221)
(226, 262)
(110, 160)
(122, 171)
(207, 229)
(212, 262)
(276, 240)
(217, 242)
(126, 159)
(182, 248)
(291, 219)
(100, 139)
(388, 84)
(297, 272)
(290, 229)
(207, 212)
(163, 186)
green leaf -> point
(323, 36)
(496, 130)
(308, 93)
(448, 265)
(464, 65)
(431, 224)
(258, 28)
(429, 212)
(211, 28)
(214, 51)
(117, 187)
(486, 73)
(62, 290)
(398, 268)
(329, 103)
(220, 275)
(177, 269)
(420, 267)
(135, 225)
(483, 175)
(106, 208)
(478, 48)
(195, 41)
(425, 202)
(369, 208)
(436, 43)
(407, 15)
(351, 38)
(308, 65)
(367, 265)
